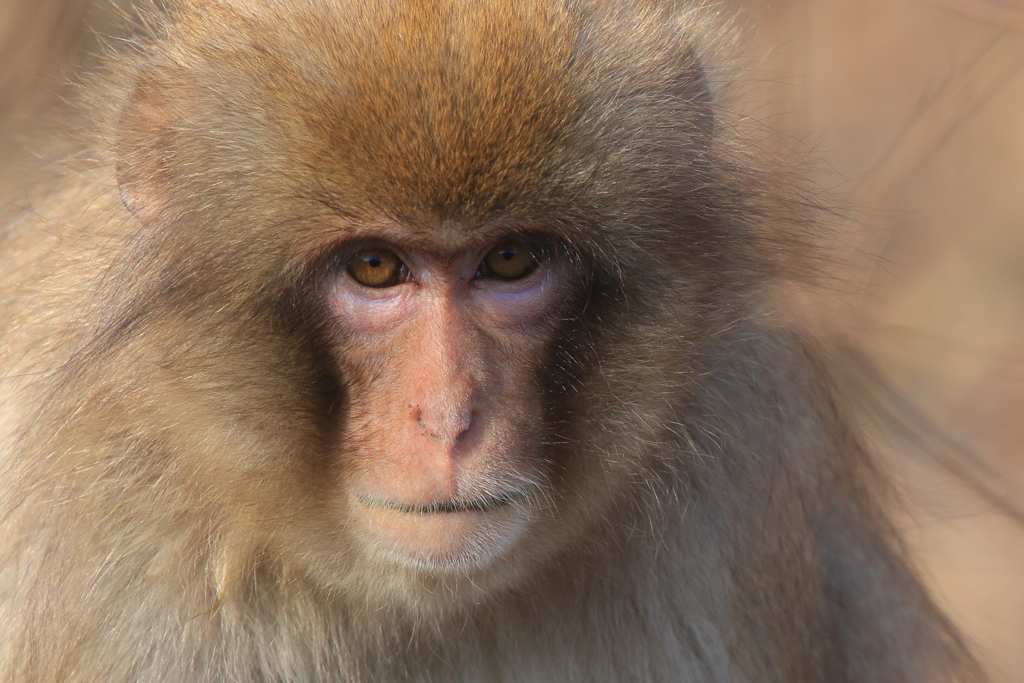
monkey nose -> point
(445, 424)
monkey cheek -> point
(443, 542)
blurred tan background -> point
(910, 115)
(914, 114)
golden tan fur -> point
(170, 431)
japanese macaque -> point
(431, 341)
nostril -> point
(463, 429)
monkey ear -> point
(144, 138)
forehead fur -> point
(454, 108)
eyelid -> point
(343, 254)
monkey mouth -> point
(486, 504)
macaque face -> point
(442, 347)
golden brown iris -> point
(509, 261)
(377, 268)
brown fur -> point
(170, 426)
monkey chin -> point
(454, 537)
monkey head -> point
(384, 266)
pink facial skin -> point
(441, 368)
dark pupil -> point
(375, 261)
(508, 253)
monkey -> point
(432, 341)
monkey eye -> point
(377, 268)
(508, 260)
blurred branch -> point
(1008, 13)
(931, 124)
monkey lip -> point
(457, 535)
(453, 505)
